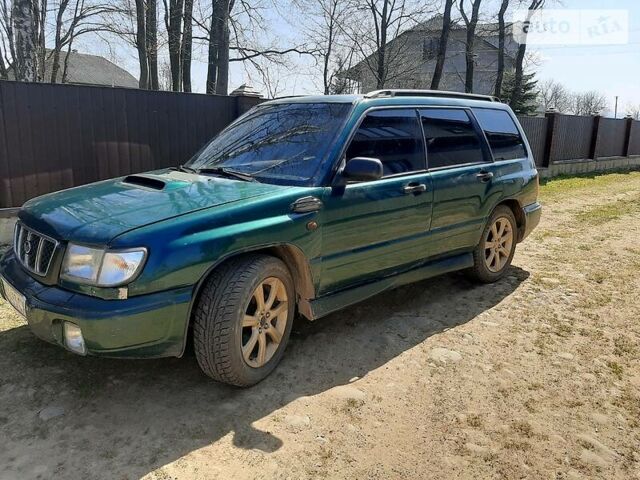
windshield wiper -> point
(225, 172)
(184, 168)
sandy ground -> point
(537, 376)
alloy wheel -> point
(498, 244)
(264, 322)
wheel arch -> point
(518, 212)
(292, 256)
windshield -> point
(281, 143)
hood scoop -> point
(145, 181)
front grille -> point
(33, 250)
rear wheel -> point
(243, 319)
(494, 253)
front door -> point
(378, 227)
(463, 175)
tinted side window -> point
(504, 139)
(393, 137)
(451, 138)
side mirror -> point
(362, 169)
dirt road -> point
(537, 376)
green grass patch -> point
(558, 187)
(610, 211)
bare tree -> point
(151, 29)
(442, 46)
(634, 111)
(173, 12)
(502, 34)
(589, 103)
(73, 18)
(324, 31)
(534, 6)
(229, 30)
(187, 45)
(7, 46)
(379, 32)
(471, 22)
(141, 44)
(25, 34)
(553, 95)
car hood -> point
(99, 212)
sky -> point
(611, 69)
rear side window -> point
(451, 138)
(504, 139)
(393, 137)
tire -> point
(487, 269)
(227, 317)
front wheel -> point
(494, 253)
(243, 319)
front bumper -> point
(146, 326)
(532, 214)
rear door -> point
(377, 227)
(463, 175)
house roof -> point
(93, 70)
(88, 69)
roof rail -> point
(429, 93)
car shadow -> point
(126, 418)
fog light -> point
(73, 338)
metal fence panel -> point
(536, 130)
(634, 140)
(612, 135)
(59, 136)
(572, 137)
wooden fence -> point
(58, 136)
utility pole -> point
(615, 114)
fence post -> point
(593, 151)
(246, 99)
(548, 145)
(627, 137)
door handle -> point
(414, 188)
(484, 177)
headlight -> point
(103, 268)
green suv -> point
(302, 206)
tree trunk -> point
(470, 43)
(55, 63)
(152, 43)
(174, 30)
(501, 41)
(39, 15)
(222, 80)
(65, 68)
(25, 35)
(381, 69)
(141, 45)
(3, 68)
(442, 47)
(218, 72)
(212, 60)
(187, 41)
(522, 50)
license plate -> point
(14, 297)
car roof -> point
(409, 98)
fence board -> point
(59, 136)
(536, 130)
